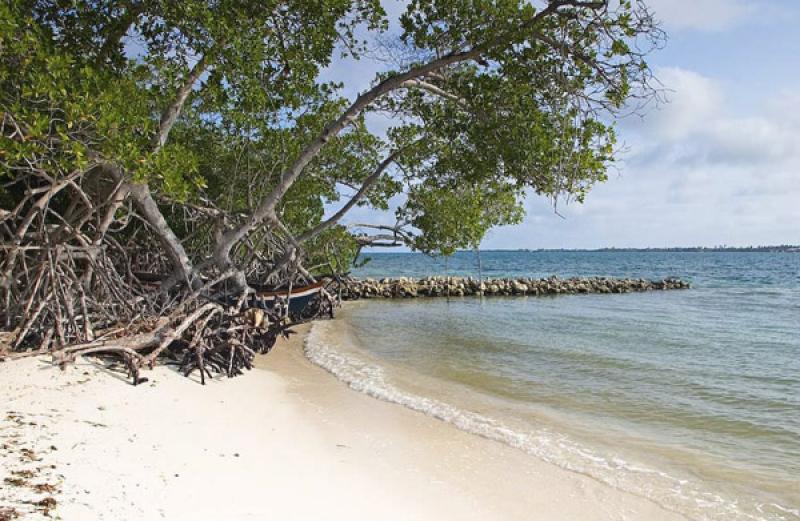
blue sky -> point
(718, 164)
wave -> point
(673, 493)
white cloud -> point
(703, 15)
(695, 127)
(697, 174)
(691, 100)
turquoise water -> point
(690, 398)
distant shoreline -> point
(680, 249)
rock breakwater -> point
(405, 287)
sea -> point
(690, 398)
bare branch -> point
(171, 113)
(118, 30)
(433, 89)
(368, 182)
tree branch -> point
(267, 206)
(397, 237)
(433, 89)
(152, 214)
(118, 31)
(140, 192)
(368, 182)
(171, 113)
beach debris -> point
(45, 488)
(29, 482)
(46, 505)
(30, 455)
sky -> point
(718, 164)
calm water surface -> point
(691, 398)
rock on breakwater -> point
(439, 286)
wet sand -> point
(286, 441)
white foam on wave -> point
(675, 494)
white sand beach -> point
(287, 441)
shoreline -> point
(286, 440)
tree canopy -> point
(199, 139)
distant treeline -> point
(777, 248)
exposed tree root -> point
(211, 339)
(83, 272)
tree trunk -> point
(146, 205)
(368, 182)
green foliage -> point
(72, 114)
(174, 168)
(529, 113)
(333, 251)
(456, 216)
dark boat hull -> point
(299, 299)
